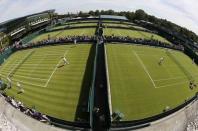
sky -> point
(181, 12)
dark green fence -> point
(30, 37)
(92, 95)
(5, 55)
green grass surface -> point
(51, 90)
(75, 25)
(82, 21)
(63, 33)
(123, 22)
(123, 25)
(140, 87)
(133, 34)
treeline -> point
(142, 15)
(4, 41)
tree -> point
(129, 15)
(110, 12)
(97, 13)
(140, 15)
(3, 86)
(83, 14)
(91, 13)
(80, 14)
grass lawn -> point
(51, 89)
(140, 87)
(119, 22)
(75, 25)
(63, 33)
(82, 21)
(133, 34)
(123, 25)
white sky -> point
(181, 12)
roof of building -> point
(12, 20)
(115, 17)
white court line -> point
(16, 62)
(167, 70)
(49, 51)
(38, 64)
(26, 71)
(29, 65)
(155, 56)
(47, 55)
(165, 67)
(142, 64)
(4, 66)
(146, 54)
(55, 69)
(13, 66)
(83, 31)
(19, 62)
(25, 82)
(108, 81)
(178, 83)
(23, 64)
(119, 32)
(31, 77)
(172, 78)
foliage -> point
(4, 41)
(142, 15)
(3, 86)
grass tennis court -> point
(63, 33)
(75, 25)
(133, 34)
(81, 21)
(50, 87)
(123, 25)
(118, 22)
(140, 87)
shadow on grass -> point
(82, 114)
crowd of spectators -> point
(6, 125)
(66, 39)
(5, 49)
(193, 125)
(112, 38)
(151, 42)
(28, 111)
